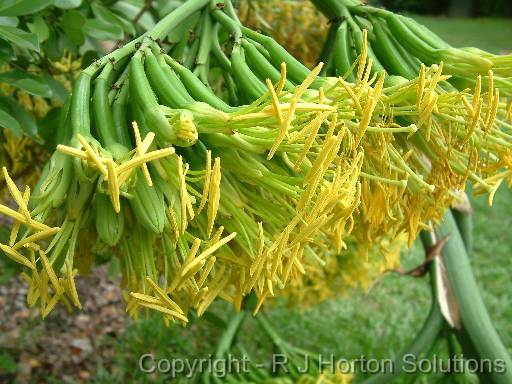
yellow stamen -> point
(421, 84)
(16, 194)
(206, 272)
(124, 170)
(282, 80)
(35, 237)
(213, 203)
(283, 131)
(139, 153)
(21, 218)
(113, 186)
(202, 257)
(275, 102)
(174, 224)
(51, 273)
(362, 58)
(16, 256)
(16, 226)
(164, 310)
(93, 156)
(351, 93)
(299, 91)
(476, 93)
(72, 152)
(493, 110)
(71, 284)
(206, 185)
(163, 296)
(183, 195)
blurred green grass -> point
(380, 323)
(493, 35)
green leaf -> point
(106, 15)
(102, 30)
(6, 52)
(48, 127)
(57, 44)
(24, 7)
(67, 4)
(9, 122)
(72, 24)
(25, 121)
(19, 37)
(59, 92)
(32, 84)
(34, 87)
(10, 21)
(130, 11)
(40, 28)
(127, 26)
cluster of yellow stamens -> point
(117, 174)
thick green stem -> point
(112, 57)
(227, 22)
(464, 222)
(474, 316)
(173, 19)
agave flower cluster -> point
(297, 194)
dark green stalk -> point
(474, 316)
(327, 52)
(173, 19)
(227, 22)
(464, 221)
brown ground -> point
(64, 345)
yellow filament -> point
(22, 219)
(421, 84)
(275, 102)
(93, 156)
(282, 80)
(207, 177)
(213, 203)
(351, 93)
(163, 296)
(478, 89)
(35, 237)
(16, 194)
(139, 153)
(71, 284)
(50, 272)
(16, 226)
(307, 81)
(283, 131)
(362, 58)
(16, 256)
(113, 186)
